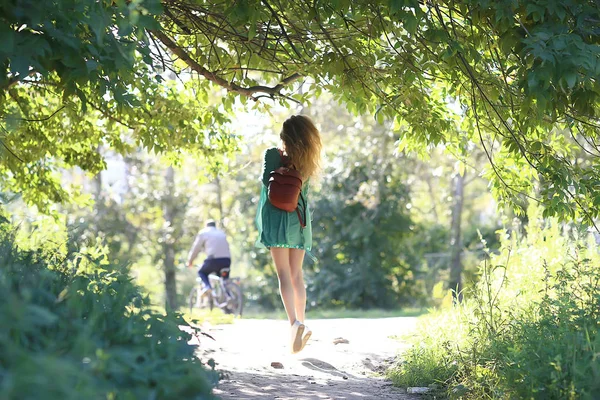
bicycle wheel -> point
(193, 298)
(235, 305)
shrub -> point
(529, 328)
(75, 329)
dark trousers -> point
(212, 265)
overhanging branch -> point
(214, 78)
(15, 80)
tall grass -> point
(528, 330)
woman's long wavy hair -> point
(302, 142)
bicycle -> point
(226, 294)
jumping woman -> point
(288, 233)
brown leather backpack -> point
(285, 189)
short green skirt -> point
(278, 228)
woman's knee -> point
(298, 278)
(284, 274)
(283, 268)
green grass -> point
(336, 313)
(202, 316)
(529, 330)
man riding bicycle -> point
(213, 242)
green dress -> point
(278, 228)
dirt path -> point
(245, 350)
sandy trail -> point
(245, 350)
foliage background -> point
(424, 106)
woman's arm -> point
(272, 161)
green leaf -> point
(97, 26)
(252, 31)
(91, 65)
(536, 147)
(410, 23)
(148, 22)
(83, 99)
(8, 40)
(42, 316)
(19, 64)
(571, 79)
(395, 5)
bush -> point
(75, 329)
(529, 329)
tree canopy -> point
(518, 78)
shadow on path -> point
(322, 366)
(244, 385)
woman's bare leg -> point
(296, 258)
(281, 258)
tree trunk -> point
(456, 267)
(131, 233)
(97, 189)
(169, 241)
(220, 203)
(98, 195)
(97, 192)
(433, 197)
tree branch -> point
(41, 119)
(111, 117)
(214, 78)
(15, 80)
(283, 31)
(8, 148)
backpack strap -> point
(283, 160)
(300, 219)
(282, 157)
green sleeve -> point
(306, 188)
(272, 161)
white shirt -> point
(212, 241)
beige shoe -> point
(307, 333)
(297, 332)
